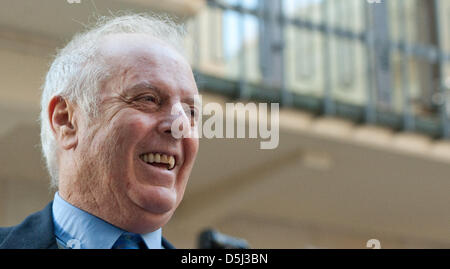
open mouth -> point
(159, 160)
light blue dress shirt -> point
(76, 228)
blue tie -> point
(129, 241)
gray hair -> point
(78, 71)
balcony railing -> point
(381, 63)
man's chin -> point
(147, 222)
(155, 200)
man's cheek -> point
(192, 145)
(133, 128)
(190, 148)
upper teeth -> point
(159, 158)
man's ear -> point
(62, 122)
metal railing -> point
(381, 63)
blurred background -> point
(363, 87)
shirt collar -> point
(80, 229)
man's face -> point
(119, 150)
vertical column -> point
(408, 116)
(243, 91)
(370, 111)
(271, 46)
(382, 65)
(329, 105)
(443, 89)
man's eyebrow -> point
(146, 86)
(143, 86)
(192, 100)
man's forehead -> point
(139, 51)
(129, 49)
(143, 62)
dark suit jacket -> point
(36, 232)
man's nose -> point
(177, 113)
(164, 126)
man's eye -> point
(149, 98)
